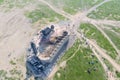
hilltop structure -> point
(45, 49)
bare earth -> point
(82, 17)
(16, 32)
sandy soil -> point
(16, 32)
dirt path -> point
(105, 22)
(76, 20)
(80, 16)
(73, 54)
(102, 31)
(61, 12)
(55, 69)
(101, 52)
(96, 53)
(108, 72)
(62, 64)
(95, 7)
(15, 27)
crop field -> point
(110, 10)
(77, 67)
(92, 33)
(72, 6)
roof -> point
(35, 65)
(47, 31)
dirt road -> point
(61, 12)
(102, 31)
(116, 66)
(105, 22)
(99, 53)
(16, 31)
(77, 19)
(105, 67)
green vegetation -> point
(15, 72)
(110, 67)
(2, 73)
(72, 6)
(118, 74)
(116, 29)
(43, 12)
(79, 66)
(1, 1)
(91, 32)
(12, 62)
(115, 38)
(15, 75)
(109, 10)
(70, 51)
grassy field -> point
(77, 67)
(70, 51)
(91, 32)
(116, 29)
(118, 74)
(110, 10)
(72, 6)
(115, 38)
(43, 12)
(108, 64)
(1, 1)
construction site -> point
(45, 49)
